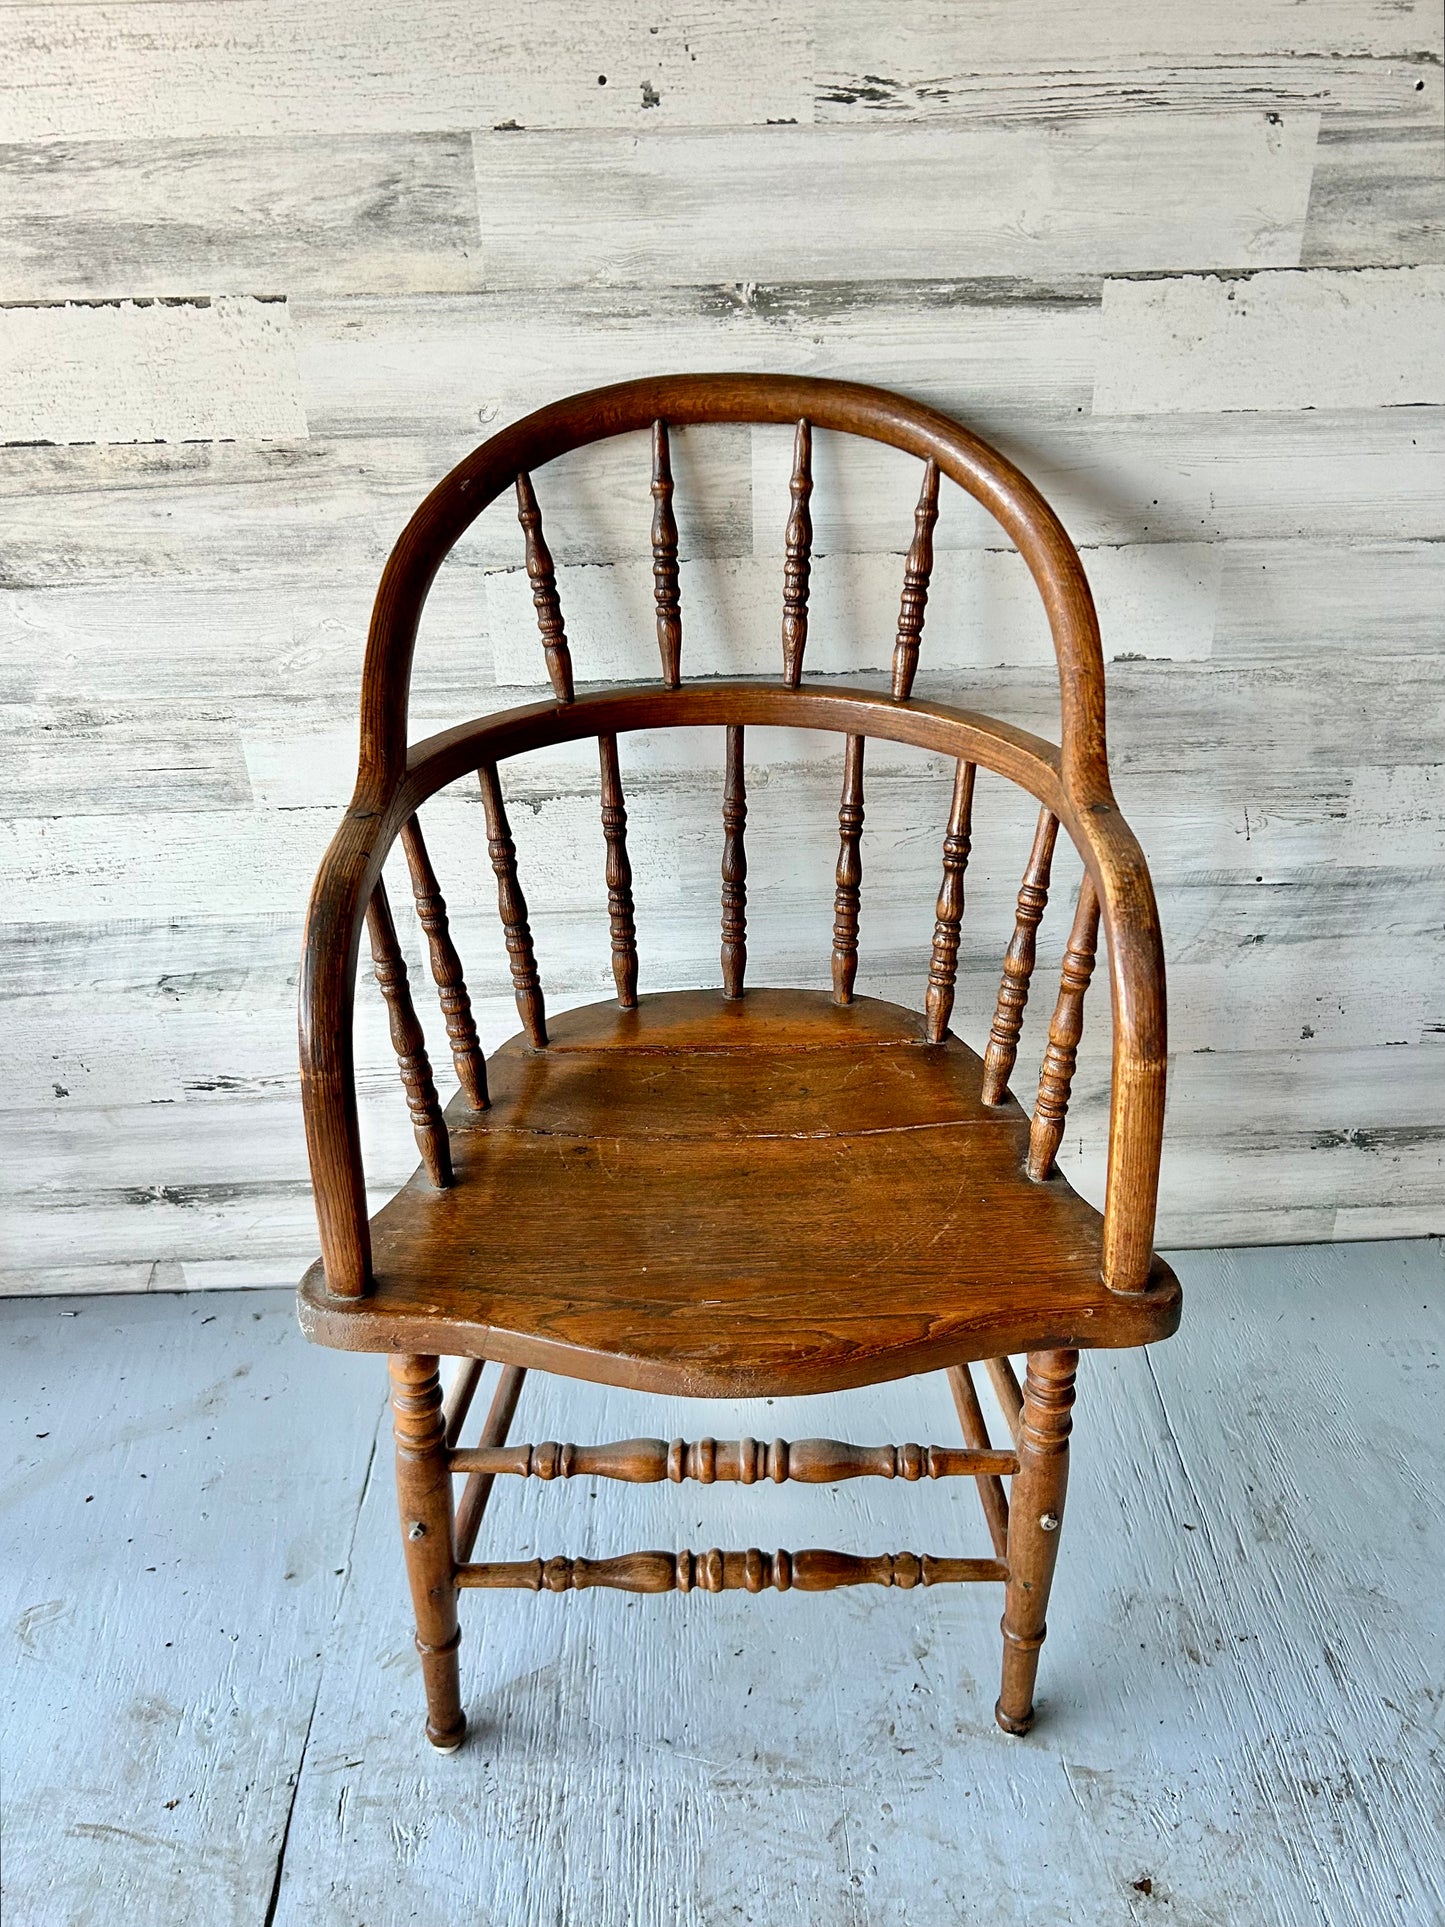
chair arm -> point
(1130, 917)
(334, 918)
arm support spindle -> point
(1056, 1078)
(620, 916)
(734, 868)
(1018, 963)
(849, 873)
(407, 1041)
(446, 969)
(943, 966)
(512, 906)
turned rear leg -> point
(1036, 1513)
(424, 1495)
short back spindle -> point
(797, 557)
(665, 582)
(543, 577)
(917, 574)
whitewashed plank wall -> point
(268, 270)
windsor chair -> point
(722, 1246)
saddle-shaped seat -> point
(736, 1198)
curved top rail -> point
(627, 407)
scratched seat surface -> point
(739, 1197)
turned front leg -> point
(1036, 1513)
(424, 1495)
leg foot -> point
(1036, 1512)
(424, 1494)
(1009, 1724)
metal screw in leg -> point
(416, 1530)
(1048, 1522)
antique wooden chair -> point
(649, 1193)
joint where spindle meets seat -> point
(737, 1192)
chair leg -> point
(424, 1494)
(1036, 1512)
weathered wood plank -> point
(456, 362)
(292, 643)
(1263, 476)
(1378, 194)
(55, 760)
(358, 213)
(939, 63)
(150, 1612)
(1320, 599)
(128, 371)
(1202, 342)
(332, 507)
(162, 70)
(1001, 199)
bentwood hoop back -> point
(723, 1247)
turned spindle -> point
(917, 569)
(737, 1461)
(1036, 1513)
(849, 873)
(666, 592)
(1018, 963)
(814, 1570)
(512, 906)
(424, 1496)
(943, 964)
(797, 556)
(620, 917)
(446, 969)
(543, 577)
(734, 868)
(407, 1041)
(1056, 1078)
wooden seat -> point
(743, 1198)
(734, 1191)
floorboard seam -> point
(275, 1898)
(276, 1878)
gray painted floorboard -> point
(213, 1713)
